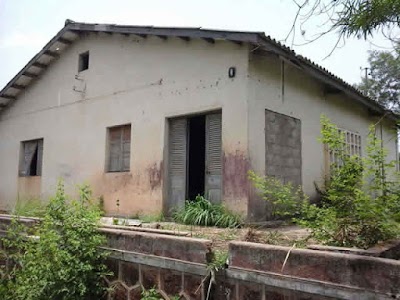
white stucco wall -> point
(143, 82)
(129, 80)
(303, 99)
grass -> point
(204, 213)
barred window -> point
(352, 145)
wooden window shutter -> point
(119, 148)
(39, 157)
(126, 147)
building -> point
(152, 116)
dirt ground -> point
(284, 235)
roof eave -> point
(323, 76)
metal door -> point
(177, 163)
(213, 176)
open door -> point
(177, 163)
(213, 176)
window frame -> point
(23, 167)
(83, 60)
(108, 163)
(352, 144)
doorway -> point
(194, 159)
(196, 156)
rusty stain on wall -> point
(155, 172)
(235, 181)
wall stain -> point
(236, 183)
(155, 172)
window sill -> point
(118, 172)
(29, 176)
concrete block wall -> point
(174, 266)
(319, 273)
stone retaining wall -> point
(178, 266)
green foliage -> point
(383, 84)
(285, 198)
(218, 261)
(32, 207)
(350, 18)
(204, 213)
(360, 204)
(63, 261)
(151, 294)
(363, 17)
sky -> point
(27, 25)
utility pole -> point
(366, 74)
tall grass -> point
(204, 213)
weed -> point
(33, 207)
(204, 213)
(219, 260)
(228, 234)
(151, 294)
(274, 237)
(252, 236)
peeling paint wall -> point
(301, 97)
(130, 80)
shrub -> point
(360, 204)
(286, 199)
(64, 261)
(204, 213)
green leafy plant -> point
(151, 294)
(360, 204)
(219, 260)
(204, 213)
(286, 199)
(63, 260)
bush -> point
(204, 213)
(360, 204)
(286, 199)
(64, 261)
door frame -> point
(166, 182)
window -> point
(83, 61)
(352, 146)
(31, 158)
(119, 148)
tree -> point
(350, 18)
(384, 81)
